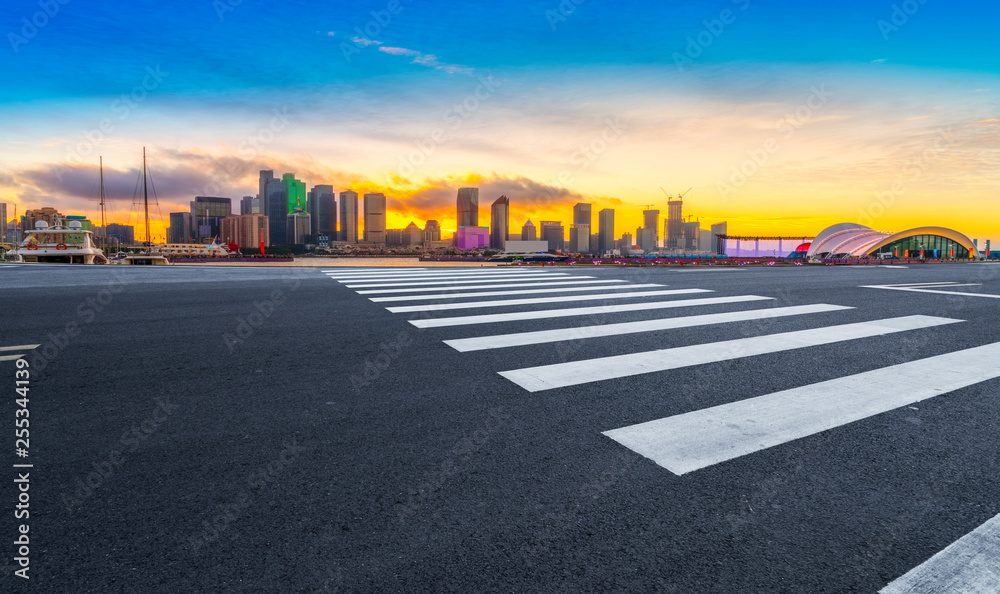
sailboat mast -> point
(104, 232)
(145, 195)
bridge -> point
(721, 241)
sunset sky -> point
(783, 117)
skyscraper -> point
(529, 232)
(3, 221)
(274, 203)
(374, 218)
(296, 193)
(250, 205)
(581, 214)
(432, 231)
(207, 213)
(323, 208)
(247, 231)
(606, 230)
(180, 230)
(719, 245)
(579, 239)
(552, 232)
(412, 235)
(675, 224)
(349, 216)
(468, 207)
(651, 221)
(500, 223)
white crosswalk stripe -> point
(561, 375)
(580, 311)
(458, 281)
(430, 275)
(966, 566)
(556, 283)
(21, 347)
(539, 300)
(499, 341)
(517, 292)
(695, 440)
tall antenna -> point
(104, 232)
(145, 197)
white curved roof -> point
(858, 240)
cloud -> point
(429, 60)
(331, 33)
(365, 42)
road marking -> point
(504, 286)
(964, 294)
(702, 438)
(560, 375)
(499, 341)
(371, 270)
(428, 273)
(460, 282)
(538, 300)
(518, 292)
(20, 347)
(966, 566)
(923, 284)
(580, 311)
(482, 275)
(891, 266)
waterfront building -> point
(605, 230)
(552, 232)
(181, 229)
(579, 239)
(500, 223)
(675, 224)
(412, 235)
(432, 232)
(374, 218)
(851, 240)
(472, 238)
(348, 216)
(468, 207)
(246, 231)
(207, 213)
(528, 232)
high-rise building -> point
(500, 223)
(246, 231)
(180, 230)
(552, 232)
(651, 221)
(528, 232)
(393, 237)
(274, 204)
(412, 235)
(348, 216)
(374, 218)
(47, 214)
(581, 214)
(323, 210)
(691, 230)
(298, 227)
(626, 243)
(3, 222)
(472, 238)
(675, 224)
(579, 239)
(646, 238)
(124, 233)
(250, 205)
(432, 231)
(605, 230)
(207, 213)
(719, 245)
(468, 207)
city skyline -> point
(781, 123)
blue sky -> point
(700, 84)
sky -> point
(782, 118)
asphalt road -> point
(245, 429)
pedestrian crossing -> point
(694, 440)
(701, 439)
(13, 357)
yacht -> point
(59, 244)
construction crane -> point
(679, 196)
